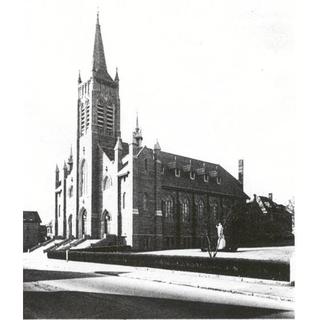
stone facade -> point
(151, 198)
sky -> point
(212, 80)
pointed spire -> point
(99, 61)
(137, 122)
(137, 134)
(70, 160)
(116, 78)
(65, 169)
(157, 146)
(57, 168)
(79, 78)
(98, 16)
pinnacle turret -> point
(79, 78)
(70, 160)
(116, 78)
(157, 146)
(137, 134)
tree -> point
(233, 229)
(291, 209)
(234, 226)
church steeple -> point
(99, 66)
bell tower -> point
(98, 128)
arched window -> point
(105, 223)
(146, 164)
(145, 201)
(215, 212)
(124, 200)
(185, 210)
(83, 178)
(70, 226)
(168, 209)
(84, 222)
(107, 183)
(71, 191)
(200, 209)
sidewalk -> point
(277, 290)
(265, 289)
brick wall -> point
(152, 229)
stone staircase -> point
(109, 240)
(66, 245)
(74, 243)
(57, 245)
(87, 243)
(39, 245)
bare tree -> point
(291, 209)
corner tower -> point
(98, 128)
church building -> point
(145, 197)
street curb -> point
(259, 295)
(220, 276)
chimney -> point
(270, 196)
(240, 175)
(255, 197)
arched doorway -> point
(83, 223)
(70, 226)
(105, 223)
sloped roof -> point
(229, 184)
(110, 151)
(267, 205)
(31, 216)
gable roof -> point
(268, 206)
(110, 152)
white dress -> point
(221, 240)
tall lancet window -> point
(200, 209)
(110, 117)
(185, 210)
(83, 178)
(100, 115)
(124, 200)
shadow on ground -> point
(74, 304)
(110, 273)
(40, 275)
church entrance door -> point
(83, 223)
(105, 224)
(70, 226)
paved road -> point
(64, 294)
